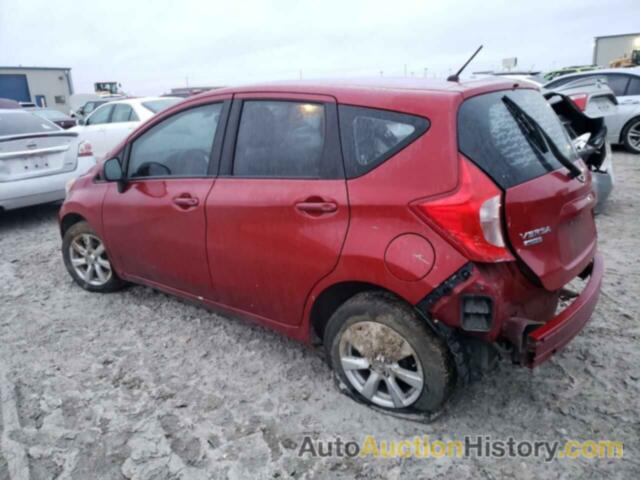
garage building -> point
(44, 86)
(612, 47)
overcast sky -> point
(151, 46)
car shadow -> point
(28, 216)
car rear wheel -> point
(86, 260)
(387, 356)
(631, 136)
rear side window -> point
(282, 139)
(371, 136)
(634, 86)
(618, 83)
(490, 137)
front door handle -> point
(317, 207)
(185, 201)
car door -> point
(94, 128)
(155, 226)
(627, 90)
(122, 122)
(278, 213)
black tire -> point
(634, 123)
(113, 282)
(435, 359)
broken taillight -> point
(471, 217)
(580, 100)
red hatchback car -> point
(411, 226)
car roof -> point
(601, 71)
(139, 100)
(341, 87)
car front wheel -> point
(383, 353)
(86, 260)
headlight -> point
(68, 186)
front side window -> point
(180, 146)
(280, 139)
(491, 137)
(370, 136)
(101, 115)
(123, 113)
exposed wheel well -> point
(329, 301)
(68, 221)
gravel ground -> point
(138, 384)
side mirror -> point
(112, 172)
(82, 121)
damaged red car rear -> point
(412, 227)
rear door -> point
(548, 215)
(94, 130)
(278, 213)
(122, 122)
(156, 227)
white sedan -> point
(37, 159)
(112, 122)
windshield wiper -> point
(536, 134)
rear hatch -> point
(548, 214)
(33, 147)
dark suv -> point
(408, 225)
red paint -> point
(267, 249)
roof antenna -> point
(456, 76)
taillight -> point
(580, 100)
(470, 217)
(85, 149)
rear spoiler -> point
(24, 136)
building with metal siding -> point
(44, 86)
(612, 47)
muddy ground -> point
(140, 385)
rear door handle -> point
(185, 201)
(317, 207)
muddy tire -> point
(631, 135)
(387, 356)
(86, 260)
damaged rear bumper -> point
(539, 344)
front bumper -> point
(544, 341)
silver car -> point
(37, 159)
(623, 127)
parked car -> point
(37, 159)
(584, 106)
(569, 70)
(110, 123)
(86, 109)
(59, 118)
(409, 225)
(623, 128)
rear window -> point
(158, 105)
(18, 123)
(490, 137)
(371, 136)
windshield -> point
(490, 136)
(18, 123)
(158, 105)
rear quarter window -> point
(370, 136)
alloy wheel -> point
(633, 135)
(381, 365)
(89, 259)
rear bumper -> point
(38, 190)
(544, 341)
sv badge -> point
(534, 237)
